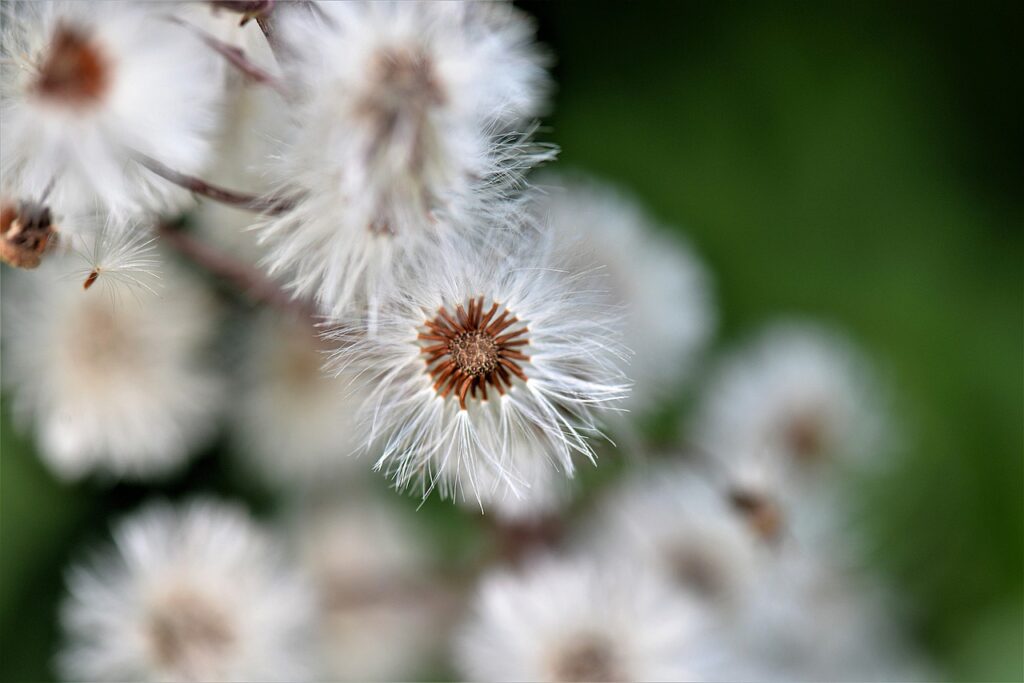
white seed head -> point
(575, 620)
(798, 394)
(404, 120)
(110, 378)
(666, 291)
(492, 353)
(83, 85)
(295, 423)
(675, 521)
(808, 619)
(379, 606)
(197, 593)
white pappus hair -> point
(492, 352)
(407, 119)
(85, 86)
(111, 378)
(191, 593)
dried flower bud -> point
(26, 230)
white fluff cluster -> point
(196, 593)
(379, 610)
(495, 357)
(109, 379)
(573, 620)
(668, 313)
(84, 87)
(796, 397)
(674, 521)
(291, 421)
(404, 125)
(467, 334)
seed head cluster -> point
(397, 294)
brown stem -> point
(518, 540)
(267, 205)
(246, 279)
(247, 8)
(236, 57)
(266, 25)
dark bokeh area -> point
(857, 163)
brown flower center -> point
(761, 513)
(805, 436)
(472, 350)
(588, 659)
(74, 69)
(26, 229)
(697, 570)
(189, 634)
(398, 102)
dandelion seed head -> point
(677, 521)
(409, 120)
(379, 608)
(84, 86)
(295, 423)
(493, 355)
(798, 395)
(73, 71)
(577, 620)
(665, 289)
(197, 592)
(112, 379)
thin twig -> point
(247, 8)
(249, 281)
(266, 25)
(236, 57)
(266, 205)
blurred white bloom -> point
(809, 621)
(577, 621)
(379, 610)
(666, 290)
(198, 593)
(402, 120)
(780, 509)
(295, 423)
(799, 395)
(682, 525)
(84, 86)
(493, 353)
(109, 382)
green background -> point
(862, 165)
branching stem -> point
(236, 57)
(267, 205)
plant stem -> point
(249, 281)
(267, 205)
(236, 57)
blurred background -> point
(857, 163)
